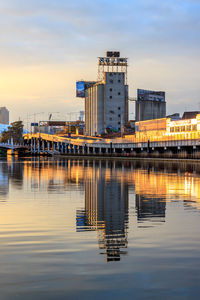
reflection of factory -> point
(150, 209)
(106, 210)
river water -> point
(97, 229)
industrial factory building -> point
(106, 101)
(106, 104)
(150, 105)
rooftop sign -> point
(113, 61)
(80, 89)
(113, 54)
(81, 86)
(146, 95)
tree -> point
(15, 132)
(5, 136)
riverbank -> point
(128, 158)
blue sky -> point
(45, 46)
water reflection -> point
(150, 209)
(106, 211)
(4, 180)
(57, 215)
(106, 187)
(10, 172)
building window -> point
(119, 107)
(111, 112)
(119, 80)
(177, 129)
(182, 128)
(194, 127)
(111, 81)
(111, 74)
(119, 93)
(119, 128)
(110, 119)
(118, 123)
(188, 127)
(110, 90)
(119, 116)
(110, 97)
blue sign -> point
(34, 124)
(80, 89)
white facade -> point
(106, 104)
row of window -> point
(110, 119)
(118, 92)
(111, 96)
(183, 128)
(119, 116)
(111, 80)
(111, 74)
(112, 111)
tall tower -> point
(106, 101)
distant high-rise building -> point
(4, 115)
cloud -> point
(161, 40)
(50, 29)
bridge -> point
(13, 148)
(40, 143)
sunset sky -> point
(47, 45)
